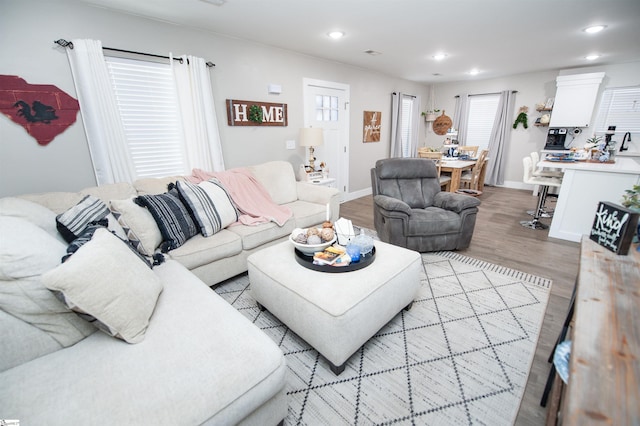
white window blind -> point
(482, 113)
(148, 104)
(619, 107)
(407, 124)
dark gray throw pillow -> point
(89, 211)
(171, 216)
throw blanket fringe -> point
(249, 195)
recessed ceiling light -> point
(336, 34)
(594, 29)
(439, 56)
(474, 71)
(372, 52)
(592, 57)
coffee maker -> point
(556, 139)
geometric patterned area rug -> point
(460, 356)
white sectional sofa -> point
(184, 357)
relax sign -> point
(613, 227)
(252, 113)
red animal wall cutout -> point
(43, 110)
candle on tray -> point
(328, 212)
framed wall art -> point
(371, 126)
(254, 113)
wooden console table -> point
(604, 373)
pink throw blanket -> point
(251, 198)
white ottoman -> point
(336, 313)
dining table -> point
(456, 167)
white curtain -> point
(404, 125)
(102, 123)
(396, 125)
(500, 138)
(461, 117)
(200, 125)
(415, 125)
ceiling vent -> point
(215, 2)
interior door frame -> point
(343, 183)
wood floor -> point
(498, 238)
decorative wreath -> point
(522, 117)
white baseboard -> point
(514, 184)
(355, 195)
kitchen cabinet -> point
(575, 99)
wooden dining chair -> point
(445, 181)
(471, 179)
(471, 151)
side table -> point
(329, 182)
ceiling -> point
(498, 37)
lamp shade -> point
(311, 136)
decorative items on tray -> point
(320, 243)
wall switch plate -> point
(291, 144)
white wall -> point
(243, 71)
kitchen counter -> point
(628, 154)
(626, 164)
(583, 186)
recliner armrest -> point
(454, 202)
(391, 204)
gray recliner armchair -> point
(411, 211)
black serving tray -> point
(307, 262)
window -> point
(148, 105)
(619, 107)
(326, 108)
(407, 124)
(482, 114)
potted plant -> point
(631, 200)
(430, 114)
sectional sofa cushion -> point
(209, 204)
(278, 179)
(31, 211)
(22, 342)
(204, 250)
(263, 233)
(111, 191)
(30, 301)
(139, 225)
(26, 250)
(57, 202)
(171, 216)
(105, 281)
(154, 186)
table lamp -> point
(311, 136)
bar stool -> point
(541, 172)
(544, 183)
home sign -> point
(253, 113)
(613, 227)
